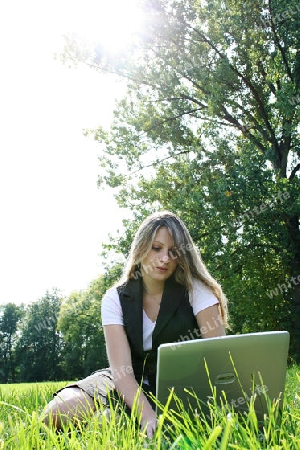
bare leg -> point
(69, 405)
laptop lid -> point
(238, 365)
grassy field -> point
(21, 426)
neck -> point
(153, 287)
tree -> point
(80, 324)
(210, 129)
(10, 315)
(40, 345)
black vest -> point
(175, 322)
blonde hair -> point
(189, 262)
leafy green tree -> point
(80, 324)
(40, 344)
(209, 128)
(10, 315)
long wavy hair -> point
(189, 262)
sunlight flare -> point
(112, 24)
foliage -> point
(10, 315)
(21, 425)
(209, 129)
(80, 324)
(39, 346)
(55, 338)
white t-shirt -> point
(201, 297)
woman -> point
(166, 294)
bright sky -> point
(53, 216)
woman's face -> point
(161, 261)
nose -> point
(165, 258)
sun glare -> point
(111, 23)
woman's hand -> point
(148, 424)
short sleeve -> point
(111, 310)
(201, 297)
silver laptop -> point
(231, 369)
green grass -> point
(21, 426)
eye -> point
(156, 249)
(172, 253)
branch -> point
(294, 171)
(246, 82)
(155, 163)
(277, 42)
(241, 127)
(170, 119)
(193, 100)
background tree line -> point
(54, 338)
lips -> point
(162, 269)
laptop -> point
(230, 369)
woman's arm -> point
(119, 356)
(210, 322)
